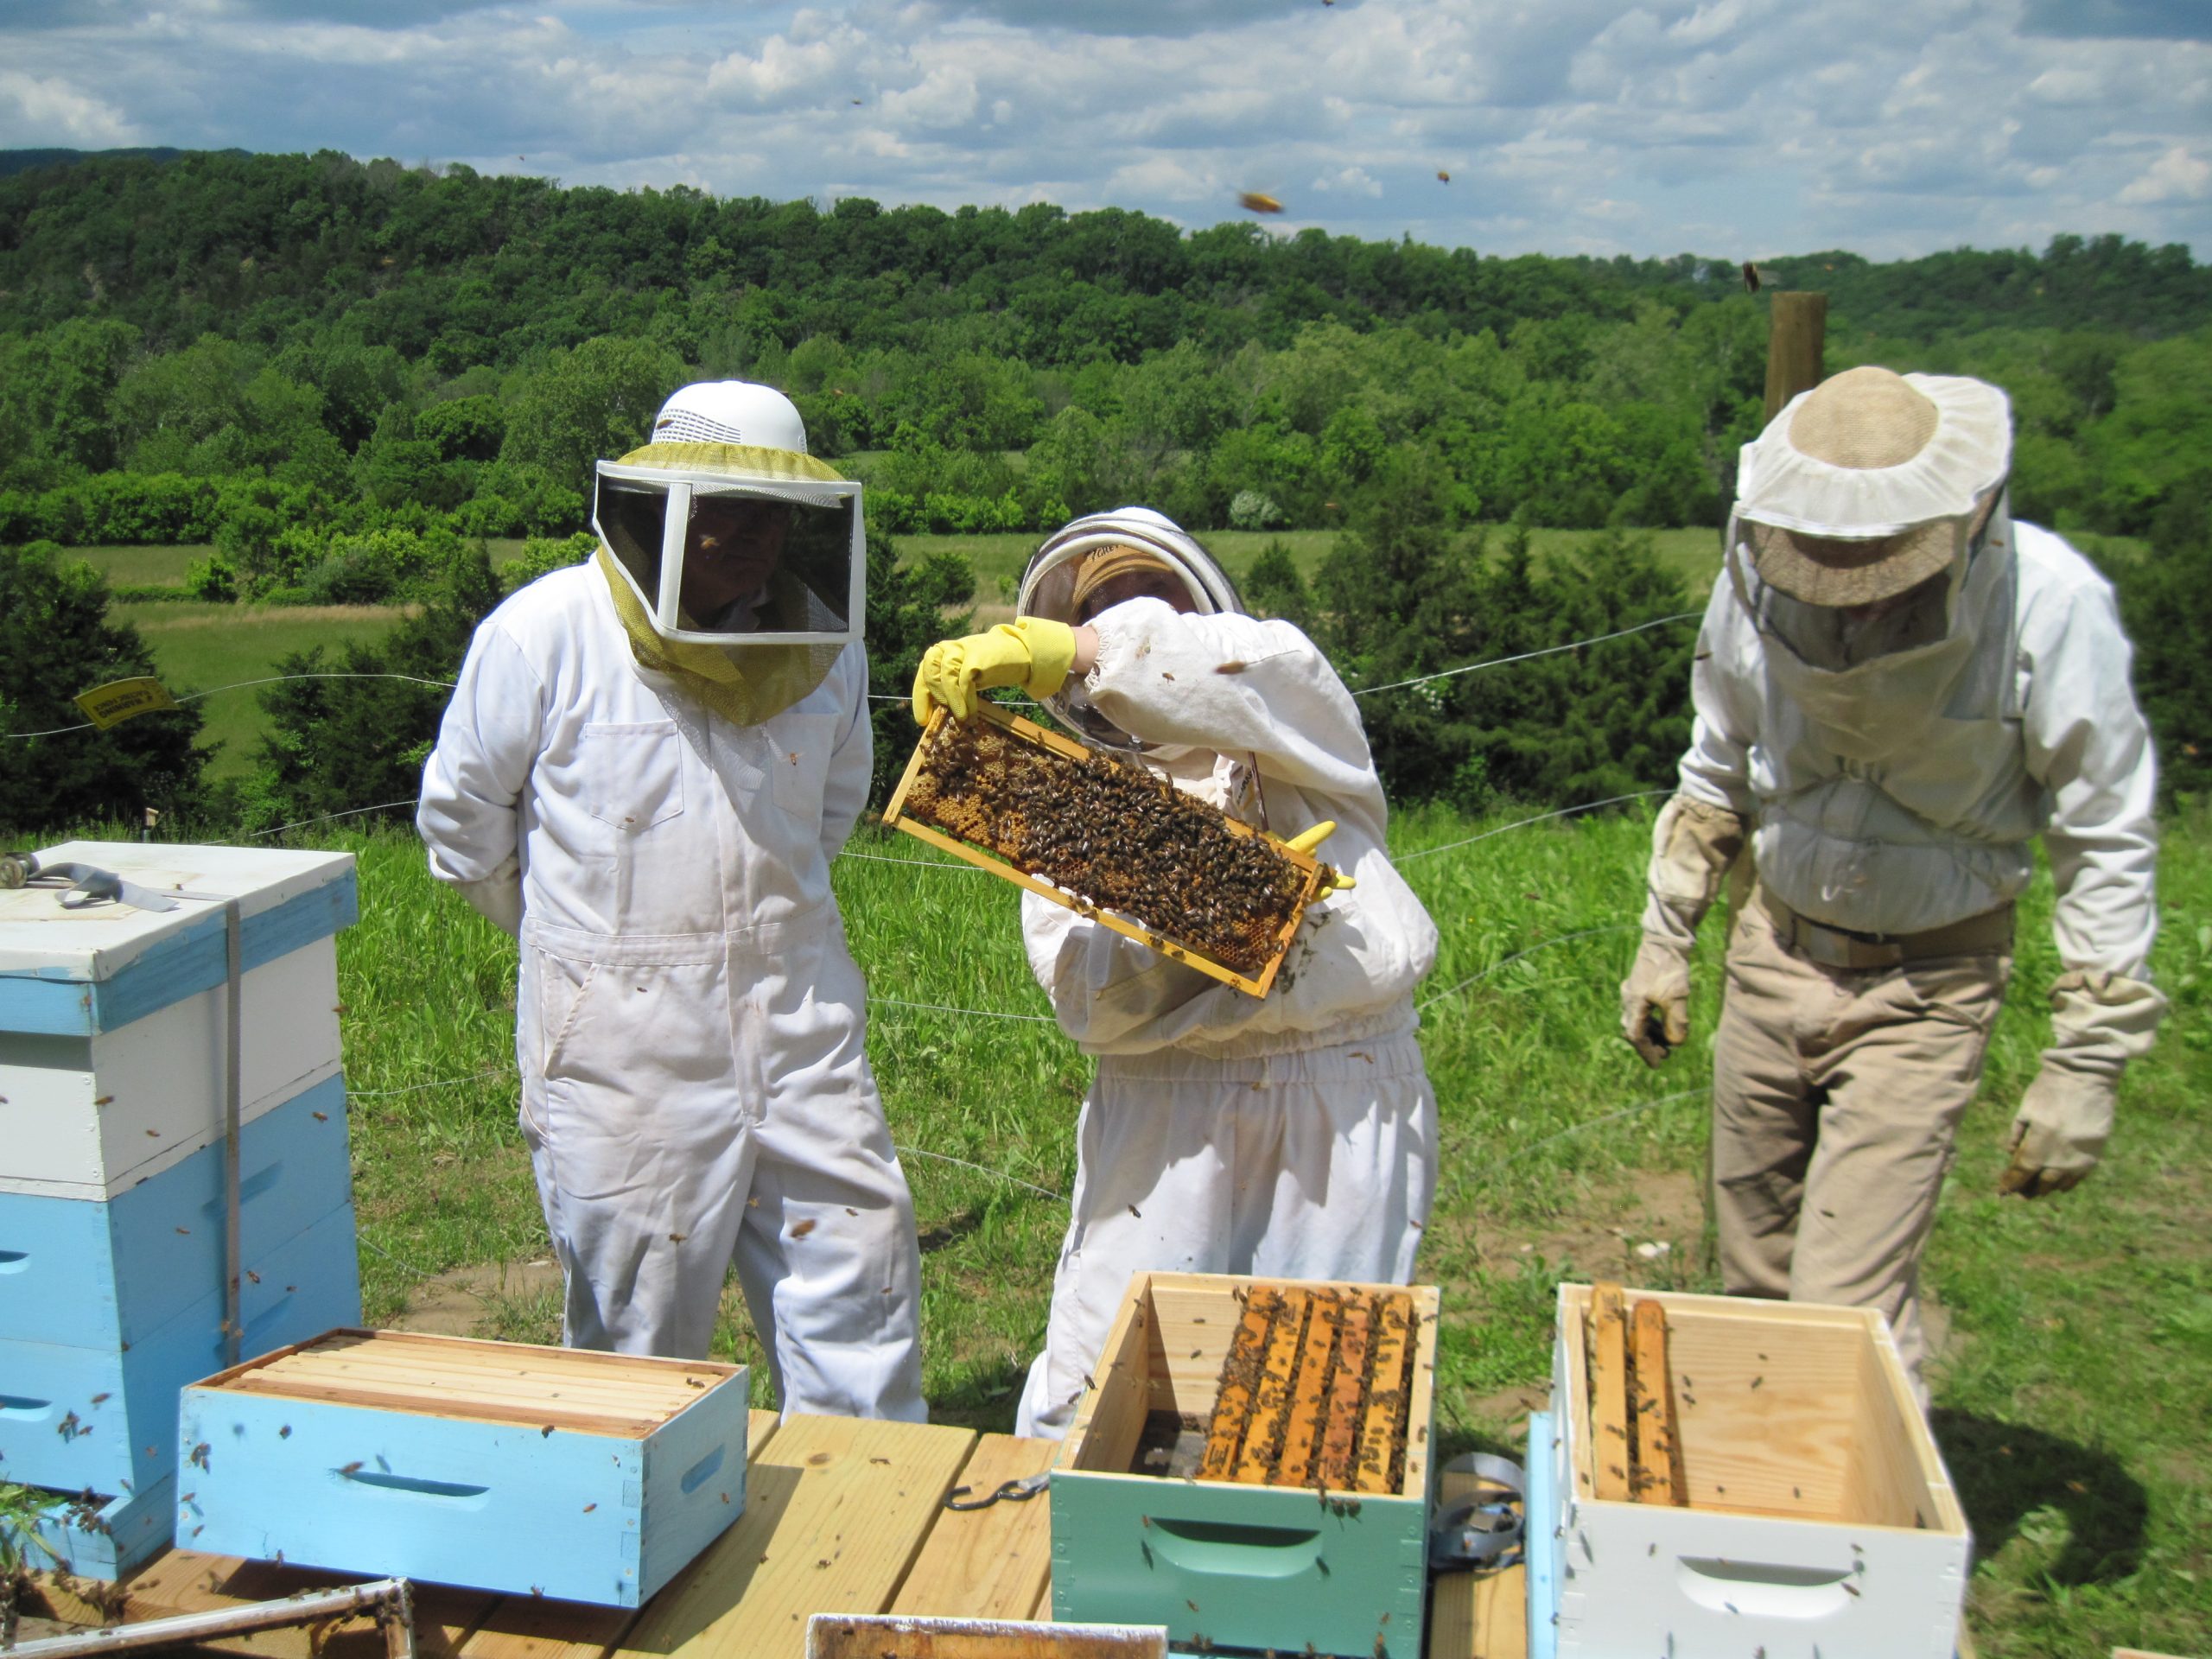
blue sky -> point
(1737, 128)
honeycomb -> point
(1112, 834)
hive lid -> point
(39, 939)
(516, 1383)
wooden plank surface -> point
(1477, 1615)
(1658, 1452)
(862, 1637)
(529, 1627)
(993, 1563)
(1609, 1391)
(836, 1512)
(185, 1581)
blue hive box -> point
(113, 1027)
(585, 1477)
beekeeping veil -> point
(735, 559)
(1869, 541)
(1136, 538)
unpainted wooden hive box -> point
(553, 1471)
(1297, 1569)
(1820, 1516)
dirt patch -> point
(1644, 1233)
(481, 1300)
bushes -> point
(60, 643)
(2163, 604)
(1402, 597)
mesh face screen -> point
(802, 548)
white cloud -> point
(2175, 176)
(1718, 125)
(37, 114)
(1348, 181)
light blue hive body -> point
(112, 1200)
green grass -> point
(197, 646)
(2072, 1400)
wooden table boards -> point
(841, 1516)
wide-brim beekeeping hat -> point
(1868, 485)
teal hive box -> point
(1223, 1565)
(584, 1476)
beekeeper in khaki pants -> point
(1896, 687)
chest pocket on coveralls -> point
(633, 775)
(798, 762)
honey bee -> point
(1258, 201)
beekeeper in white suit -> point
(1897, 687)
(1292, 1135)
(647, 765)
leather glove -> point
(1332, 880)
(2099, 1021)
(1656, 999)
(1031, 651)
(2061, 1128)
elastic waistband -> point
(1840, 947)
(676, 950)
(1360, 1060)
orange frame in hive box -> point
(1032, 736)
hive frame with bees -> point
(1157, 931)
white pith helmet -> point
(730, 411)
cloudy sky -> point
(1737, 128)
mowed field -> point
(2075, 1376)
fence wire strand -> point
(1529, 656)
(240, 685)
(1522, 823)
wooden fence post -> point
(1797, 332)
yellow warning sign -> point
(115, 701)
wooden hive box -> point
(112, 1018)
(1108, 840)
(1820, 1517)
(112, 1200)
(1297, 1569)
(584, 1476)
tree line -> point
(341, 377)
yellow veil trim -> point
(744, 684)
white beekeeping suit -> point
(1292, 1135)
(1897, 687)
(646, 767)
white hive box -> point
(112, 1018)
(1820, 1519)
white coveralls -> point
(1897, 799)
(1292, 1135)
(688, 1020)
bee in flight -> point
(1257, 201)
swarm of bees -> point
(1113, 834)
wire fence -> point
(887, 1002)
(886, 697)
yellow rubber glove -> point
(1332, 881)
(1031, 651)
